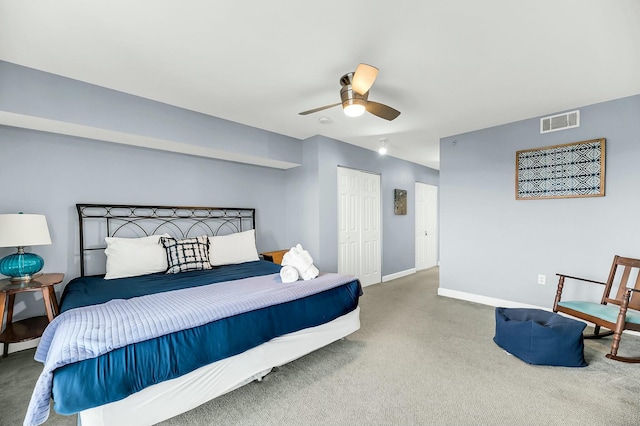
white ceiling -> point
(450, 66)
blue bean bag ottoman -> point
(540, 337)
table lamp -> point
(20, 230)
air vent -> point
(563, 121)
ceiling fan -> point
(355, 93)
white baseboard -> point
(485, 300)
(491, 301)
(398, 275)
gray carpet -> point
(418, 359)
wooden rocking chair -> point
(617, 314)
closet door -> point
(359, 251)
(370, 257)
(348, 222)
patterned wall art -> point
(561, 171)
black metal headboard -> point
(97, 221)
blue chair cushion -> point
(598, 310)
(540, 337)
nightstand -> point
(274, 256)
(29, 328)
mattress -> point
(125, 371)
(172, 397)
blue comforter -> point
(113, 375)
(85, 291)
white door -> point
(370, 257)
(426, 226)
(348, 223)
(359, 250)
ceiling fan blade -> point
(382, 110)
(311, 111)
(363, 78)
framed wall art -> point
(400, 201)
(561, 171)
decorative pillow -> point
(130, 257)
(190, 254)
(233, 248)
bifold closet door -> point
(359, 251)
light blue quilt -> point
(88, 332)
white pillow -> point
(130, 257)
(233, 248)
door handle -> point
(425, 233)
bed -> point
(158, 344)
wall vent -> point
(562, 121)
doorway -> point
(426, 226)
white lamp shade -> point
(21, 230)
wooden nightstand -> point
(29, 328)
(274, 256)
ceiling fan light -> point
(353, 104)
(354, 110)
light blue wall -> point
(36, 93)
(302, 206)
(398, 241)
(494, 245)
(49, 173)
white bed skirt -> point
(172, 397)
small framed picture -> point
(400, 201)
